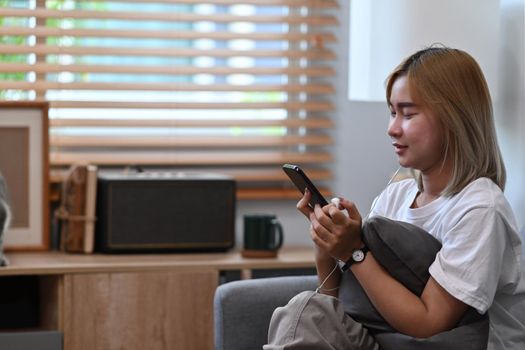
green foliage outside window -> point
(12, 58)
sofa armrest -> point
(243, 309)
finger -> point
(327, 207)
(335, 210)
(332, 217)
(317, 239)
(323, 217)
(338, 216)
(303, 205)
(322, 224)
(351, 208)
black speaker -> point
(156, 212)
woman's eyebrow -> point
(401, 105)
(405, 104)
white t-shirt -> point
(480, 259)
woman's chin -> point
(403, 162)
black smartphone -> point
(299, 178)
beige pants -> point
(316, 321)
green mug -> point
(263, 234)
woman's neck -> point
(434, 182)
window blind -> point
(234, 87)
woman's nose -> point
(394, 127)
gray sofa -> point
(243, 309)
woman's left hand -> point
(334, 231)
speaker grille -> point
(153, 214)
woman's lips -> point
(398, 148)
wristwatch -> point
(358, 255)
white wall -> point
(383, 32)
(510, 107)
(364, 160)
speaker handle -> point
(278, 230)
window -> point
(236, 87)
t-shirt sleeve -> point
(469, 264)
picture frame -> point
(24, 134)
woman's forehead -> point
(400, 94)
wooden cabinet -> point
(131, 302)
(144, 310)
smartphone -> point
(301, 181)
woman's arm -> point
(328, 273)
(435, 311)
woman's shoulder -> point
(486, 198)
(483, 192)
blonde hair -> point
(451, 84)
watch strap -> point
(344, 266)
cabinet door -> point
(139, 310)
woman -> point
(442, 128)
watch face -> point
(358, 255)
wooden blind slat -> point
(189, 142)
(164, 34)
(318, 4)
(188, 158)
(165, 16)
(291, 106)
(45, 86)
(313, 123)
(159, 69)
(311, 53)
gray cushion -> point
(406, 252)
